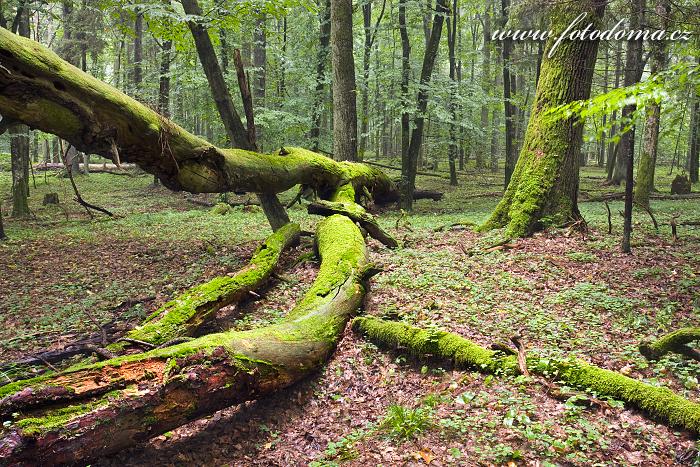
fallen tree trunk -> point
(43, 91)
(99, 168)
(188, 312)
(676, 341)
(657, 401)
(97, 409)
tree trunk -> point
(344, 90)
(19, 151)
(486, 84)
(410, 166)
(613, 147)
(405, 97)
(693, 164)
(324, 17)
(509, 108)
(260, 64)
(19, 142)
(633, 73)
(625, 158)
(274, 211)
(544, 186)
(647, 162)
(453, 151)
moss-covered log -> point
(357, 213)
(544, 185)
(657, 401)
(676, 341)
(188, 312)
(96, 409)
(47, 93)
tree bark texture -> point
(544, 187)
(344, 89)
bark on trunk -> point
(543, 189)
(344, 90)
(324, 17)
(509, 108)
(45, 92)
(647, 162)
(453, 150)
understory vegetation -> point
(567, 294)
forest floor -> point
(565, 293)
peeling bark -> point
(93, 410)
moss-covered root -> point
(185, 314)
(675, 341)
(358, 214)
(97, 409)
(657, 401)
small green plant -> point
(404, 423)
(582, 257)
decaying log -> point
(357, 213)
(45, 92)
(188, 312)
(615, 196)
(676, 341)
(93, 410)
(657, 401)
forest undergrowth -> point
(567, 293)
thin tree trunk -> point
(344, 90)
(509, 108)
(633, 73)
(453, 151)
(647, 162)
(260, 64)
(486, 85)
(405, 97)
(408, 171)
(693, 164)
(324, 17)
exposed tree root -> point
(96, 409)
(657, 401)
(675, 341)
(357, 213)
(187, 313)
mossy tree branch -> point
(357, 213)
(45, 92)
(676, 341)
(656, 401)
(188, 312)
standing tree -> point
(344, 98)
(647, 162)
(409, 164)
(324, 18)
(453, 151)
(509, 108)
(544, 187)
(693, 164)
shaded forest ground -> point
(578, 296)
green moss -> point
(185, 314)
(221, 209)
(672, 341)
(657, 401)
(57, 418)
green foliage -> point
(404, 423)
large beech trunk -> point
(93, 410)
(47, 93)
